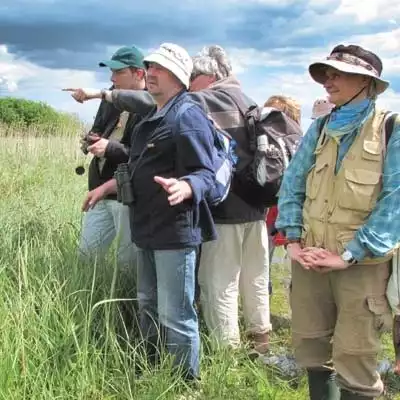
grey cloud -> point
(61, 34)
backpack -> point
(224, 161)
(273, 139)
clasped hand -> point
(315, 258)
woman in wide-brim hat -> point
(339, 210)
(353, 60)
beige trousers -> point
(236, 263)
(338, 317)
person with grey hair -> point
(171, 172)
(238, 260)
(210, 65)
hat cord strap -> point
(347, 102)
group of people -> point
(337, 213)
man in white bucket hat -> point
(171, 171)
(339, 209)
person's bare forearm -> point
(110, 187)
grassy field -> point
(62, 334)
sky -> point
(46, 45)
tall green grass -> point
(67, 330)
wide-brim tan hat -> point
(347, 63)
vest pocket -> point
(314, 180)
(359, 188)
(372, 151)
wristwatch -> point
(348, 258)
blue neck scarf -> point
(348, 118)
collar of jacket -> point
(230, 82)
(171, 102)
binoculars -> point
(124, 185)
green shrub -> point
(33, 118)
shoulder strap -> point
(321, 126)
(322, 123)
(388, 127)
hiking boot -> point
(322, 385)
(284, 363)
(259, 344)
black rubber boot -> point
(346, 395)
(322, 385)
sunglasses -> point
(196, 75)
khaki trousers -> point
(236, 263)
(337, 319)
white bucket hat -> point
(173, 58)
(353, 60)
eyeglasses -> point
(197, 74)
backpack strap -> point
(187, 105)
(388, 128)
(322, 123)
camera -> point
(87, 140)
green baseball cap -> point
(125, 57)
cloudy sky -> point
(46, 45)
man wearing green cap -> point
(109, 140)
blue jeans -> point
(106, 222)
(165, 290)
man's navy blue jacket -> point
(172, 146)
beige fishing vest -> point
(337, 205)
